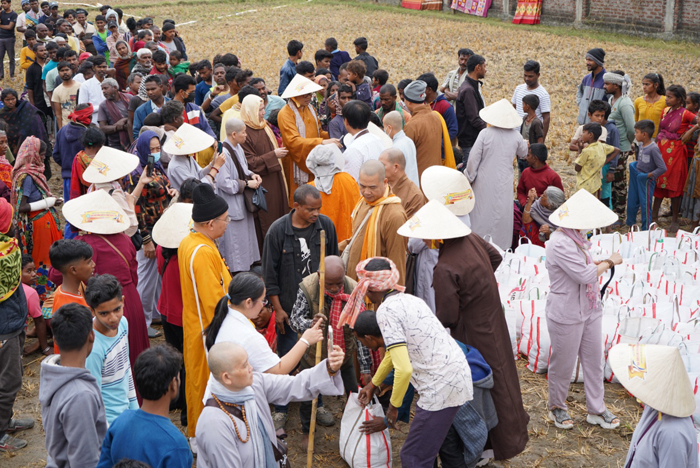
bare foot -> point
(32, 348)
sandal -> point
(560, 416)
(48, 351)
(604, 420)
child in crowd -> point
(177, 65)
(356, 79)
(643, 174)
(596, 114)
(343, 74)
(147, 434)
(379, 79)
(73, 258)
(160, 65)
(532, 129)
(612, 140)
(72, 411)
(593, 157)
(109, 360)
(26, 55)
(34, 307)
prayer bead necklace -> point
(235, 427)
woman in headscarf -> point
(320, 95)
(336, 124)
(38, 225)
(325, 113)
(93, 140)
(339, 191)
(574, 312)
(263, 156)
(617, 84)
(5, 165)
(171, 41)
(536, 224)
(151, 188)
(124, 61)
(23, 120)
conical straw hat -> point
(583, 211)
(110, 164)
(299, 86)
(379, 133)
(188, 139)
(450, 187)
(97, 213)
(173, 226)
(655, 375)
(501, 114)
(434, 221)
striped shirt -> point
(521, 91)
(109, 363)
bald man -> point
(393, 126)
(338, 288)
(377, 217)
(237, 387)
(412, 199)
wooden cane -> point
(322, 296)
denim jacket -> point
(281, 259)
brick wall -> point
(559, 10)
(634, 16)
(688, 23)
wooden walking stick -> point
(322, 296)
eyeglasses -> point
(225, 220)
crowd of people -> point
(196, 199)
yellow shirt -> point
(592, 160)
(643, 110)
(212, 277)
(26, 58)
(232, 113)
(227, 104)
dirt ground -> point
(407, 44)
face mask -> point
(156, 156)
(388, 132)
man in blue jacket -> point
(339, 56)
(156, 99)
(591, 87)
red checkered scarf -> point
(381, 280)
(335, 313)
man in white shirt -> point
(361, 144)
(456, 77)
(91, 90)
(532, 85)
(393, 128)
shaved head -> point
(394, 156)
(373, 168)
(224, 357)
(234, 125)
(394, 119)
(335, 268)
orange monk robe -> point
(339, 204)
(212, 277)
(298, 147)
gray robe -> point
(217, 442)
(490, 171)
(239, 245)
(182, 168)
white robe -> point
(490, 171)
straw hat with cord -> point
(173, 226)
(188, 139)
(449, 187)
(434, 221)
(96, 213)
(110, 164)
(583, 211)
(299, 86)
(501, 114)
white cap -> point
(110, 164)
(434, 221)
(97, 213)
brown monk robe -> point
(377, 237)
(467, 301)
(262, 153)
(412, 199)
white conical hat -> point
(583, 211)
(110, 164)
(450, 187)
(655, 375)
(173, 226)
(501, 114)
(188, 139)
(299, 86)
(97, 213)
(434, 221)
(381, 134)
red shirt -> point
(539, 179)
(170, 301)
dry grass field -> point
(409, 43)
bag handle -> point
(241, 173)
(605, 286)
(629, 312)
(644, 298)
(531, 289)
(634, 286)
(114, 248)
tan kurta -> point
(425, 129)
(298, 146)
(390, 244)
(412, 199)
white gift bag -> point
(529, 249)
(363, 450)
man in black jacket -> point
(292, 251)
(469, 103)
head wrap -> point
(128, 49)
(10, 254)
(6, 215)
(143, 146)
(84, 56)
(540, 214)
(111, 13)
(624, 82)
(323, 162)
(25, 2)
(143, 51)
(597, 55)
(168, 26)
(83, 116)
(336, 102)
(207, 204)
(415, 92)
(250, 115)
(29, 163)
(318, 79)
(382, 280)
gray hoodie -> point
(73, 415)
